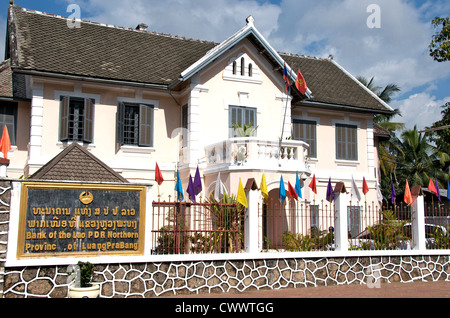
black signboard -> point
(88, 220)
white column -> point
(251, 222)
(37, 113)
(418, 223)
(341, 226)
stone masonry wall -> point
(160, 279)
(5, 198)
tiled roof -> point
(6, 88)
(77, 164)
(45, 43)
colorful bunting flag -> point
(241, 197)
(301, 83)
(330, 194)
(282, 190)
(190, 190)
(218, 190)
(298, 186)
(431, 187)
(448, 191)
(408, 197)
(393, 194)
(263, 187)
(158, 175)
(313, 185)
(179, 188)
(365, 187)
(355, 191)
(291, 191)
(286, 79)
(438, 192)
(197, 183)
(379, 194)
(5, 144)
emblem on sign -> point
(86, 198)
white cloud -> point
(200, 19)
(420, 109)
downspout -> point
(181, 124)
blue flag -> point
(179, 188)
(282, 193)
(448, 191)
(298, 187)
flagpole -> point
(282, 128)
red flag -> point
(158, 175)
(312, 185)
(5, 144)
(301, 83)
(291, 191)
(431, 187)
(365, 187)
(408, 197)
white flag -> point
(355, 191)
(218, 191)
(379, 195)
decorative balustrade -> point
(258, 153)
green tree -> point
(440, 43)
(419, 160)
(439, 132)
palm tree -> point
(418, 160)
(385, 94)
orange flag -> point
(5, 144)
(291, 191)
(408, 197)
(312, 185)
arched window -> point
(234, 68)
(242, 66)
(250, 70)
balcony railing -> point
(255, 152)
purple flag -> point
(197, 182)
(437, 189)
(393, 195)
(190, 190)
(330, 194)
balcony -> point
(258, 154)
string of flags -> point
(295, 192)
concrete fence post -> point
(341, 226)
(251, 222)
(418, 220)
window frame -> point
(145, 133)
(304, 129)
(12, 107)
(245, 111)
(349, 140)
(87, 121)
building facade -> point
(135, 98)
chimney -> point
(142, 27)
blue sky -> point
(395, 52)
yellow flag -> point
(241, 197)
(263, 187)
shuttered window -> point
(241, 116)
(76, 122)
(305, 130)
(8, 118)
(346, 142)
(135, 124)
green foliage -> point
(246, 131)
(390, 233)
(441, 239)
(440, 43)
(316, 240)
(86, 273)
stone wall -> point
(160, 279)
(5, 198)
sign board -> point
(83, 220)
